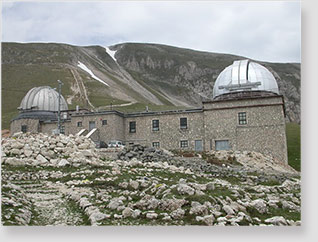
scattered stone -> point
(277, 220)
(63, 162)
(185, 189)
(259, 205)
(127, 212)
(151, 215)
(177, 214)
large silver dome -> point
(244, 75)
(42, 98)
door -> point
(198, 145)
(91, 125)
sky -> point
(265, 30)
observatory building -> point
(246, 113)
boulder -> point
(177, 214)
(277, 220)
(14, 161)
(41, 159)
(134, 184)
(151, 215)
(63, 162)
(27, 152)
(259, 205)
(15, 151)
(127, 212)
(198, 209)
(228, 210)
(184, 189)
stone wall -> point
(32, 125)
(170, 134)
(113, 130)
(264, 131)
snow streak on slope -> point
(85, 68)
(111, 53)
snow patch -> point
(111, 53)
(85, 68)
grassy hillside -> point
(293, 144)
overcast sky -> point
(267, 31)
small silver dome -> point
(42, 98)
(244, 75)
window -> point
(62, 130)
(132, 127)
(156, 144)
(242, 118)
(155, 125)
(79, 124)
(24, 128)
(91, 125)
(183, 143)
(183, 123)
(104, 122)
(222, 145)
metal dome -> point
(42, 98)
(244, 75)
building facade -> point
(246, 113)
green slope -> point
(293, 144)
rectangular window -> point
(183, 143)
(104, 122)
(155, 125)
(62, 129)
(91, 125)
(79, 124)
(156, 144)
(183, 123)
(222, 145)
(242, 118)
(132, 127)
(24, 128)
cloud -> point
(267, 31)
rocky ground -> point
(64, 180)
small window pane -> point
(79, 124)
(156, 144)
(155, 125)
(242, 118)
(24, 128)
(183, 123)
(104, 122)
(62, 130)
(132, 127)
(183, 143)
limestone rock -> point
(151, 215)
(177, 214)
(277, 220)
(14, 161)
(185, 189)
(41, 159)
(259, 205)
(127, 212)
(63, 162)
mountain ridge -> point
(158, 76)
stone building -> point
(246, 113)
